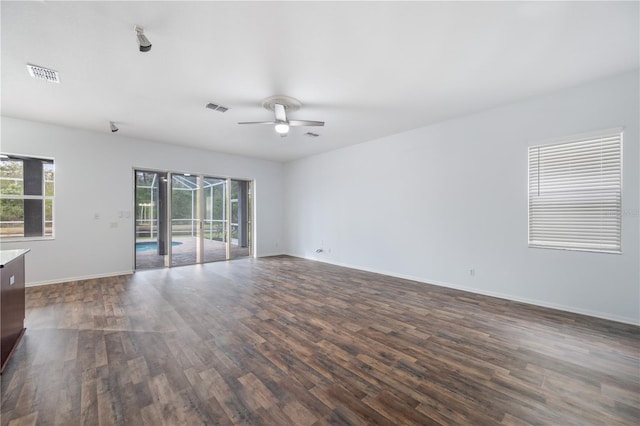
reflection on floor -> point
(185, 253)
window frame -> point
(585, 138)
(44, 198)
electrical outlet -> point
(472, 272)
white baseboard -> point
(271, 254)
(81, 278)
(542, 303)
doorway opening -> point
(184, 219)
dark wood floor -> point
(287, 341)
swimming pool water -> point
(151, 245)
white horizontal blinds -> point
(575, 194)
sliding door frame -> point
(200, 206)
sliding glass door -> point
(215, 235)
(150, 219)
(240, 231)
(183, 219)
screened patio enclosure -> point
(184, 219)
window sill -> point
(25, 239)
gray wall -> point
(94, 174)
(433, 203)
(428, 204)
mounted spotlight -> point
(143, 41)
(114, 128)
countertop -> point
(7, 256)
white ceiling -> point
(367, 69)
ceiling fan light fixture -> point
(282, 128)
(280, 105)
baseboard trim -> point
(267, 254)
(536, 302)
(541, 303)
(80, 278)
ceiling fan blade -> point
(257, 122)
(279, 109)
(305, 123)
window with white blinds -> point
(575, 195)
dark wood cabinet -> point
(12, 302)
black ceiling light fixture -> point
(143, 41)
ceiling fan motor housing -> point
(289, 103)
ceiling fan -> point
(280, 105)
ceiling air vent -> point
(216, 107)
(311, 134)
(43, 73)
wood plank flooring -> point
(279, 341)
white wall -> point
(428, 204)
(433, 203)
(94, 174)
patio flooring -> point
(185, 253)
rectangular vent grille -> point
(217, 107)
(43, 73)
(312, 135)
